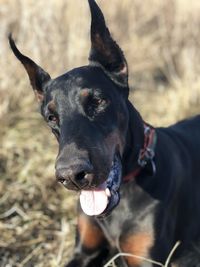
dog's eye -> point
(53, 121)
(52, 118)
(95, 105)
(98, 101)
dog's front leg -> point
(91, 247)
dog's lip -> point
(101, 200)
(113, 185)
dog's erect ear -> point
(104, 50)
(38, 77)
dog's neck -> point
(135, 140)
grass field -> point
(161, 40)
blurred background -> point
(161, 41)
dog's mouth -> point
(101, 200)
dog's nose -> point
(76, 176)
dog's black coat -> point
(89, 112)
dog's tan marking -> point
(84, 93)
(137, 244)
(52, 106)
(91, 235)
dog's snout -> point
(76, 176)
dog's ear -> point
(104, 50)
(38, 77)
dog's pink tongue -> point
(93, 202)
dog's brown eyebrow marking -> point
(51, 106)
(85, 93)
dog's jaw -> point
(101, 200)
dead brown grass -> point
(161, 43)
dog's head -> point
(86, 108)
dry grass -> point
(161, 42)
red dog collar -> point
(146, 153)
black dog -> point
(139, 186)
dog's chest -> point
(113, 225)
(133, 217)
